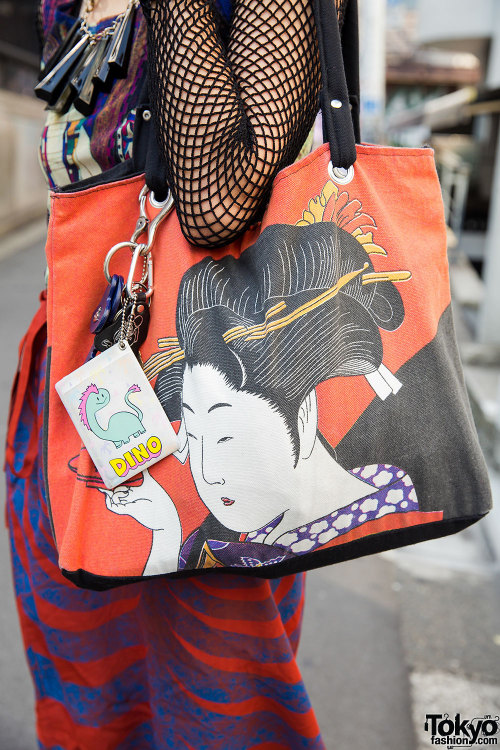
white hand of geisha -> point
(148, 503)
(152, 507)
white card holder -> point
(117, 415)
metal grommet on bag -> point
(336, 103)
(146, 115)
(159, 204)
(340, 175)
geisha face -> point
(240, 451)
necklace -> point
(87, 62)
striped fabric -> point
(194, 664)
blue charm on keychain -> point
(109, 304)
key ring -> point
(141, 249)
(110, 254)
(138, 250)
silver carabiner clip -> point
(165, 208)
(150, 225)
(144, 224)
(143, 220)
(131, 284)
(144, 250)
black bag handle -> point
(350, 55)
(339, 97)
(338, 126)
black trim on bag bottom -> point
(369, 545)
(45, 440)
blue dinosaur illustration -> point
(121, 426)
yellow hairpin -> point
(254, 333)
(372, 278)
(161, 360)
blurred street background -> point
(393, 637)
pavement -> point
(386, 639)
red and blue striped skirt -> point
(186, 664)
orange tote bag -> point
(309, 369)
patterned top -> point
(74, 147)
(394, 493)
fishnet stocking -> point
(231, 111)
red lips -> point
(227, 501)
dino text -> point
(136, 456)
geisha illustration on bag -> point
(255, 337)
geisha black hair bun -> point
(298, 307)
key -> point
(140, 324)
(111, 333)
